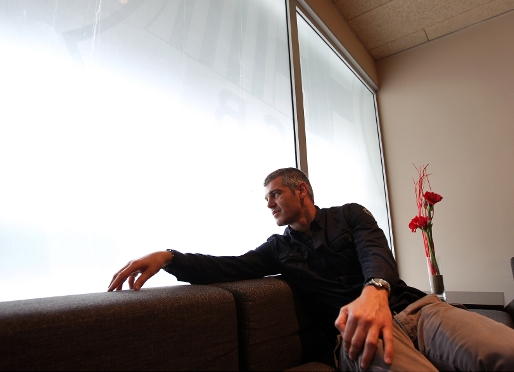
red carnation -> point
(432, 197)
(420, 222)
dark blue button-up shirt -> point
(328, 268)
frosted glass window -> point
(343, 147)
(133, 126)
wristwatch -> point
(380, 284)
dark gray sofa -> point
(246, 325)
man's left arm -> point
(368, 318)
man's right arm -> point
(197, 268)
(204, 269)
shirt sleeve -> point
(373, 251)
(205, 269)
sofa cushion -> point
(168, 328)
(499, 316)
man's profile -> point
(339, 262)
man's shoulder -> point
(278, 242)
(350, 214)
(342, 209)
(353, 208)
(276, 238)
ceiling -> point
(386, 27)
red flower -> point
(432, 197)
(419, 222)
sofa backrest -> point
(168, 328)
(274, 332)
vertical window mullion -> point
(296, 87)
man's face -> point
(283, 203)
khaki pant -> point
(430, 335)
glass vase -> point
(436, 283)
(437, 286)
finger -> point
(131, 277)
(122, 278)
(114, 278)
(120, 286)
(131, 280)
(117, 274)
(340, 322)
(351, 337)
(145, 275)
(387, 336)
(357, 342)
(370, 347)
(117, 283)
(114, 284)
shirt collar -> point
(316, 224)
(319, 219)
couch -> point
(245, 325)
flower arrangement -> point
(425, 202)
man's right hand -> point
(144, 267)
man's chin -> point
(280, 222)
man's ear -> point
(302, 188)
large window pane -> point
(133, 126)
(343, 148)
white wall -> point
(450, 103)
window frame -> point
(307, 13)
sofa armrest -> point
(509, 309)
(167, 328)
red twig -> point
(426, 210)
(418, 191)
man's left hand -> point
(363, 321)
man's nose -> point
(271, 203)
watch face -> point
(380, 283)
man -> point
(339, 262)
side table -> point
(477, 300)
